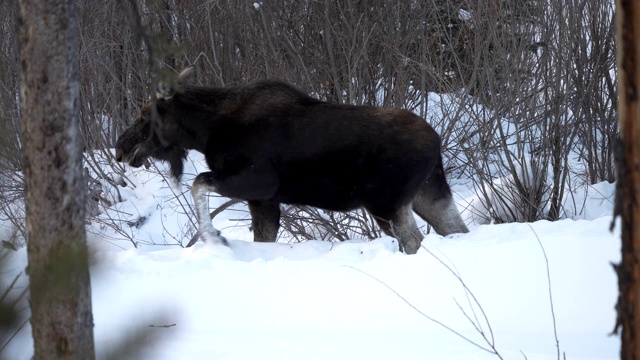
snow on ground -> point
(352, 300)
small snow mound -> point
(363, 250)
(350, 250)
(210, 249)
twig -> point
(14, 334)
(223, 207)
(553, 314)
(470, 293)
(491, 351)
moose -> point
(269, 143)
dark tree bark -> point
(55, 192)
(628, 189)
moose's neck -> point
(197, 109)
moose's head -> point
(147, 136)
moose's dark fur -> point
(269, 143)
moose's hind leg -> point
(403, 227)
(204, 183)
(265, 220)
(435, 205)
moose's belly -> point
(337, 185)
(326, 196)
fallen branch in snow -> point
(162, 326)
(553, 313)
(224, 207)
(491, 349)
(468, 292)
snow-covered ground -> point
(466, 296)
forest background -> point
(520, 91)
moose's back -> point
(326, 155)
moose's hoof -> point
(214, 238)
(208, 237)
(411, 247)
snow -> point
(356, 299)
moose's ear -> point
(186, 75)
(168, 84)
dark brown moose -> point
(268, 143)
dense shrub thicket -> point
(522, 92)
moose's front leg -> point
(205, 183)
(265, 220)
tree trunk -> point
(55, 191)
(628, 189)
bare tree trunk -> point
(55, 191)
(628, 190)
